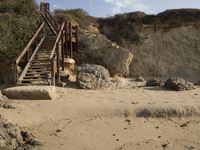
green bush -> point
(18, 22)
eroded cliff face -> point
(164, 45)
(175, 52)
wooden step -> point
(38, 73)
(42, 60)
(35, 80)
(42, 65)
(40, 57)
(39, 67)
(31, 84)
(38, 70)
(43, 53)
(35, 77)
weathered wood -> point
(29, 44)
(58, 63)
(62, 50)
(52, 72)
(30, 61)
(70, 39)
(76, 38)
(47, 20)
(41, 65)
(66, 38)
(53, 21)
(57, 41)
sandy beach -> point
(143, 119)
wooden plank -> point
(70, 39)
(47, 21)
(30, 61)
(52, 72)
(37, 73)
(29, 44)
(66, 37)
(58, 63)
(62, 50)
(57, 41)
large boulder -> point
(178, 84)
(97, 49)
(31, 92)
(93, 77)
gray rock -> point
(89, 41)
(31, 92)
(140, 79)
(155, 82)
(97, 49)
(64, 75)
(93, 77)
(198, 83)
(178, 84)
(11, 137)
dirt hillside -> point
(164, 45)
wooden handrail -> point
(53, 20)
(29, 44)
(57, 40)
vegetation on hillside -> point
(18, 22)
(126, 29)
(77, 16)
(122, 28)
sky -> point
(104, 8)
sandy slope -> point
(113, 119)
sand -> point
(137, 119)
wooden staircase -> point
(45, 53)
(38, 71)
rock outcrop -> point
(178, 84)
(93, 77)
(97, 49)
(13, 138)
(164, 45)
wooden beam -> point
(66, 38)
(70, 39)
(62, 50)
(58, 63)
(29, 44)
(53, 71)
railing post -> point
(52, 72)
(70, 38)
(66, 38)
(77, 38)
(62, 49)
(17, 73)
(58, 63)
